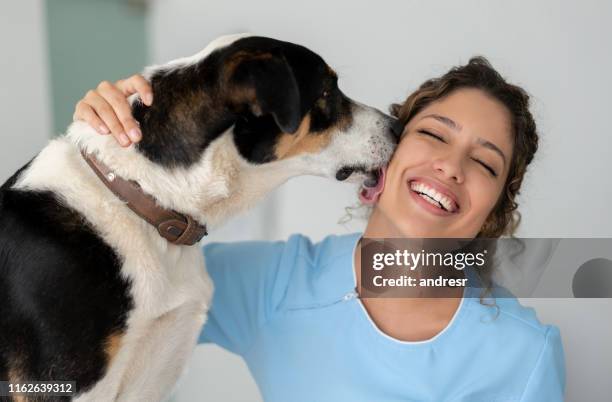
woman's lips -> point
(436, 186)
(436, 210)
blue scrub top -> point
(290, 310)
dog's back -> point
(62, 297)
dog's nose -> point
(397, 128)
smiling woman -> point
(442, 160)
(478, 134)
(467, 140)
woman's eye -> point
(439, 138)
(489, 168)
(430, 134)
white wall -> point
(383, 50)
(25, 124)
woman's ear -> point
(270, 80)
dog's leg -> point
(161, 357)
(108, 387)
(151, 358)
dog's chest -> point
(162, 281)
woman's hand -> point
(106, 108)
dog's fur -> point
(89, 292)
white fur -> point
(367, 142)
(170, 287)
(219, 43)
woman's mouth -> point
(431, 199)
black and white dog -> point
(89, 291)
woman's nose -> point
(450, 167)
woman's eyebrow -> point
(491, 146)
(444, 120)
(457, 127)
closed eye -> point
(489, 168)
(437, 137)
(430, 134)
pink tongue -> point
(370, 195)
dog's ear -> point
(270, 78)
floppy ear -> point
(275, 87)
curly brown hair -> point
(479, 74)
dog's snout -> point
(397, 128)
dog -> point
(94, 292)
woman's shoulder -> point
(297, 247)
(504, 320)
(523, 348)
(297, 271)
(326, 252)
(319, 273)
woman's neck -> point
(411, 318)
(381, 227)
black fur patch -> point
(197, 103)
(61, 293)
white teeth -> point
(429, 200)
(430, 192)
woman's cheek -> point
(407, 156)
(485, 194)
(412, 152)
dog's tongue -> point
(369, 195)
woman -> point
(290, 309)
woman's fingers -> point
(108, 110)
(137, 84)
(121, 107)
(84, 112)
(107, 114)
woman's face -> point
(449, 168)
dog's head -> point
(279, 104)
(282, 100)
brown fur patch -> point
(332, 72)
(22, 398)
(15, 377)
(302, 141)
(183, 109)
(244, 95)
(112, 345)
(241, 56)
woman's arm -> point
(249, 280)
(107, 109)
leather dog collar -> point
(175, 227)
